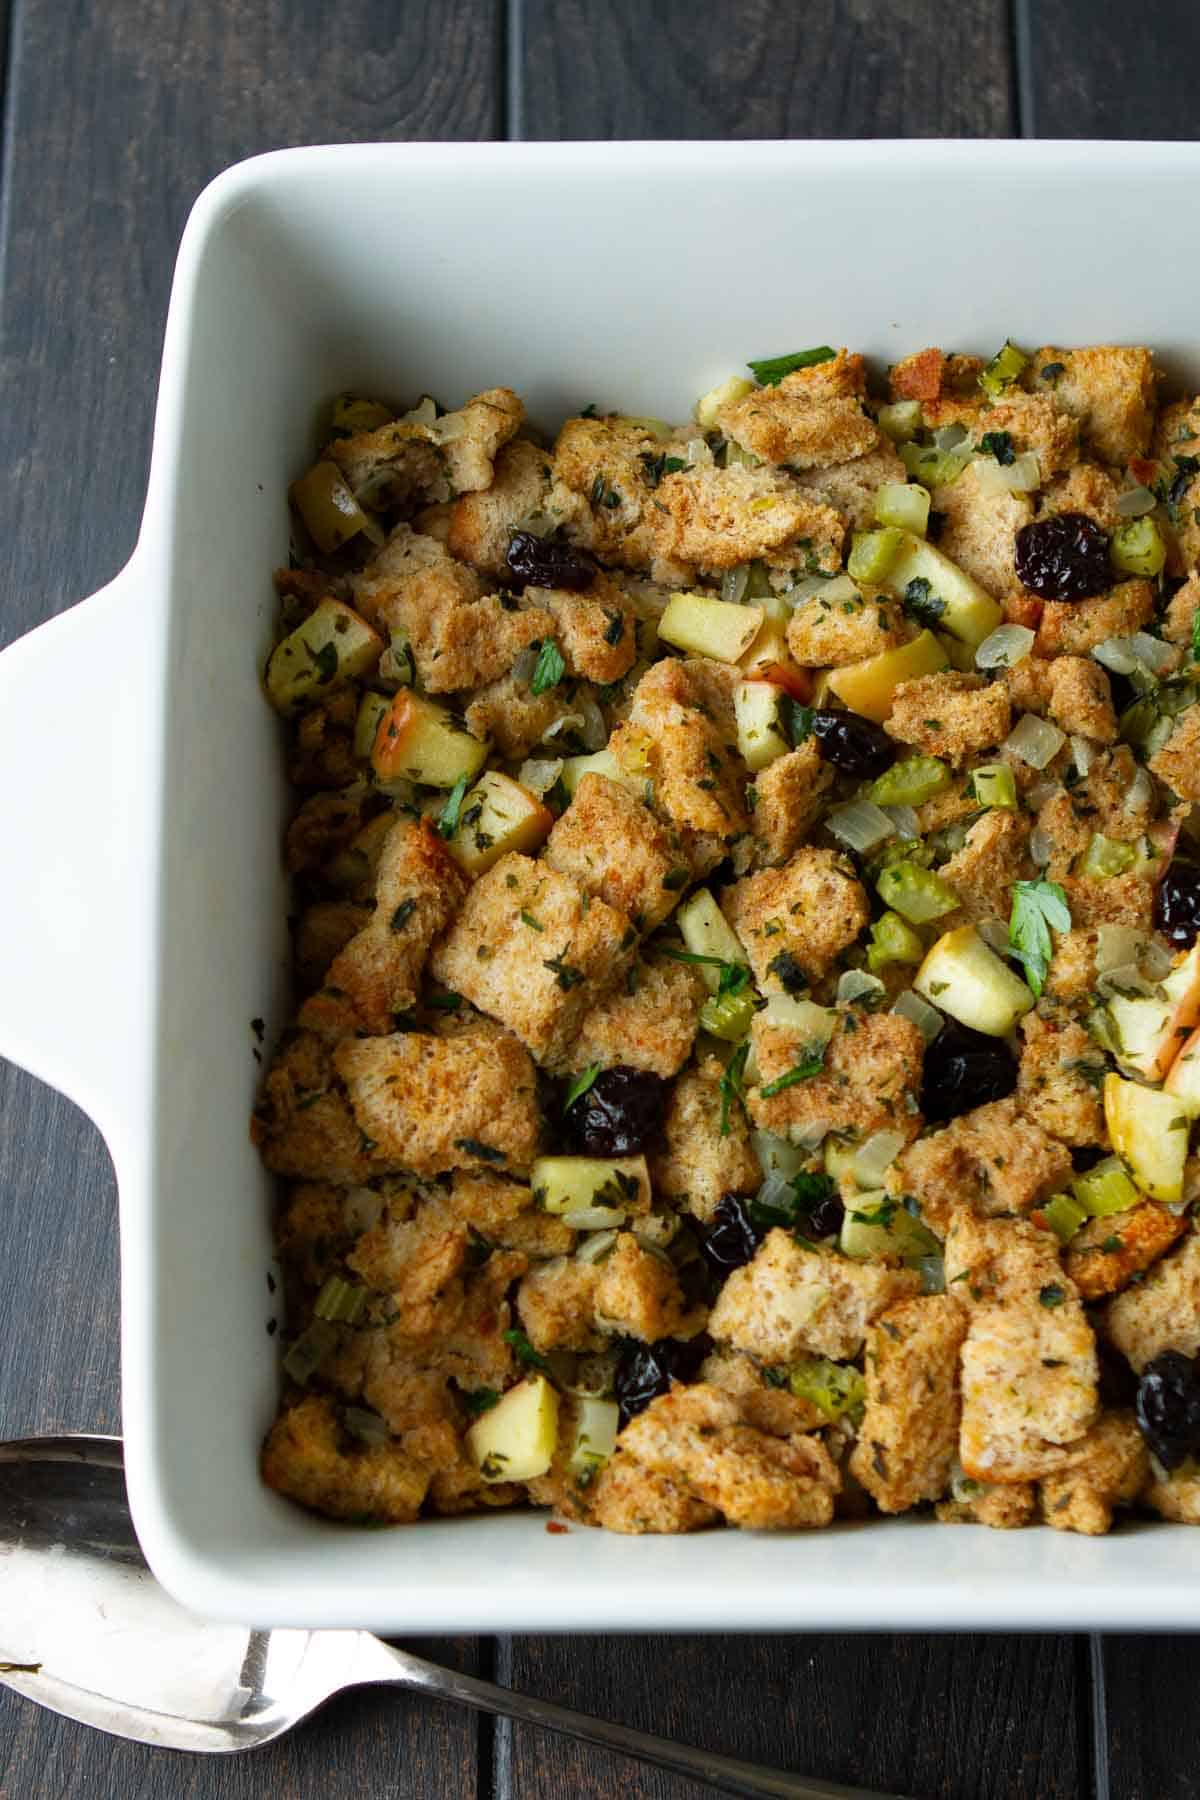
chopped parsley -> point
(998, 444)
(788, 972)
(480, 1400)
(676, 878)
(580, 1086)
(566, 975)
(1052, 370)
(549, 669)
(798, 721)
(403, 914)
(614, 631)
(921, 603)
(604, 494)
(1196, 634)
(448, 819)
(524, 1351)
(689, 956)
(770, 370)
(730, 1085)
(1036, 906)
(485, 1152)
(527, 918)
(447, 1002)
(655, 467)
(805, 1069)
(1051, 1296)
(325, 661)
(807, 1193)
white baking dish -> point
(141, 918)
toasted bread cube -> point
(308, 1457)
(803, 913)
(698, 1162)
(791, 1302)
(908, 1439)
(868, 1079)
(649, 1022)
(616, 850)
(1162, 1312)
(993, 1159)
(1029, 1384)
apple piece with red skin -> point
(1151, 1031)
(1183, 1077)
(1148, 1129)
(420, 741)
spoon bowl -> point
(86, 1630)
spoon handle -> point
(728, 1774)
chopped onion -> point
(1083, 754)
(1155, 960)
(525, 665)
(365, 1425)
(1117, 654)
(856, 984)
(804, 1017)
(733, 584)
(927, 1019)
(594, 1248)
(593, 1218)
(1157, 656)
(568, 721)
(539, 773)
(949, 437)
(595, 731)
(1140, 797)
(994, 933)
(834, 588)
(362, 1209)
(1135, 502)
(1041, 846)
(1036, 741)
(861, 824)
(808, 1137)
(776, 1190)
(877, 1155)
(1042, 792)
(905, 820)
(1116, 945)
(775, 1155)
(1126, 979)
(699, 454)
(1021, 476)
(1002, 648)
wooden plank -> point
(1101, 69)
(953, 1717)
(118, 115)
(755, 69)
(1150, 1698)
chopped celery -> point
(873, 553)
(1106, 857)
(340, 1301)
(728, 1016)
(1064, 1216)
(905, 504)
(893, 940)
(1137, 548)
(912, 782)
(758, 583)
(1105, 1189)
(836, 1389)
(932, 467)
(901, 420)
(917, 894)
(1003, 370)
(1144, 725)
(992, 784)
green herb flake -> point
(921, 603)
(549, 669)
(730, 1085)
(403, 914)
(998, 444)
(448, 820)
(770, 370)
(1036, 906)
(480, 1400)
(674, 879)
(580, 1086)
(485, 1152)
(527, 918)
(524, 1351)
(447, 1002)
(565, 973)
(1051, 1296)
(788, 972)
(805, 1069)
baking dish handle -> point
(74, 904)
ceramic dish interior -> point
(136, 949)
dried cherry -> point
(855, 745)
(1177, 904)
(1168, 1408)
(621, 1114)
(644, 1371)
(731, 1238)
(548, 562)
(964, 1069)
(1063, 558)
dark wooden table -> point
(116, 113)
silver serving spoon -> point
(86, 1631)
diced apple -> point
(970, 614)
(331, 647)
(877, 1226)
(1149, 1030)
(565, 1184)
(707, 627)
(726, 393)
(424, 743)
(706, 932)
(371, 709)
(770, 646)
(594, 1436)
(328, 508)
(1183, 1080)
(792, 679)
(965, 978)
(1148, 1129)
(517, 1439)
(498, 815)
(869, 687)
(761, 736)
(601, 762)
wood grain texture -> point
(758, 69)
(1150, 1700)
(1101, 69)
(965, 1718)
(117, 116)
